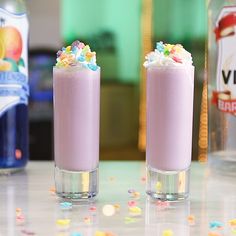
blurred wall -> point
(84, 18)
(44, 18)
(180, 19)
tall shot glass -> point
(169, 130)
(76, 131)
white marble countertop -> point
(29, 207)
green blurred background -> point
(113, 30)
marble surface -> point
(28, 205)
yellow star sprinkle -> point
(158, 186)
(100, 233)
(63, 222)
(68, 48)
(169, 47)
(232, 222)
(167, 232)
(135, 210)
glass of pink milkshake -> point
(170, 85)
(76, 86)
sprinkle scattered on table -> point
(215, 224)
(27, 232)
(135, 210)
(134, 194)
(20, 219)
(233, 230)
(18, 210)
(158, 186)
(112, 178)
(102, 233)
(75, 234)
(117, 207)
(132, 203)
(167, 232)
(110, 234)
(87, 220)
(143, 179)
(129, 220)
(213, 233)
(232, 222)
(108, 210)
(66, 205)
(63, 222)
(93, 209)
(191, 219)
(131, 190)
(162, 204)
(52, 190)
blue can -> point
(14, 90)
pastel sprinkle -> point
(232, 222)
(162, 204)
(76, 54)
(160, 46)
(129, 220)
(177, 59)
(27, 232)
(112, 178)
(108, 210)
(62, 233)
(168, 54)
(92, 209)
(18, 210)
(92, 67)
(100, 233)
(52, 190)
(117, 206)
(63, 222)
(135, 210)
(81, 58)
(213, 233)
(20, 220)
(68, 49)
(143, 179)
(167, 232)
(191, 219)
(81, 45)
(110, 234)
(66, 205)
(87, 220)
(131, 191)
(75, 234)
(158, 186)
(215, 224)
(132, 203)
(135, 195)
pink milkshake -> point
(76, 86)
(170, 84)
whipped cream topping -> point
(77, 55)
(168, 55)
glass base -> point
(76, 185)
(168, 185)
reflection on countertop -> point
(30, 206)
